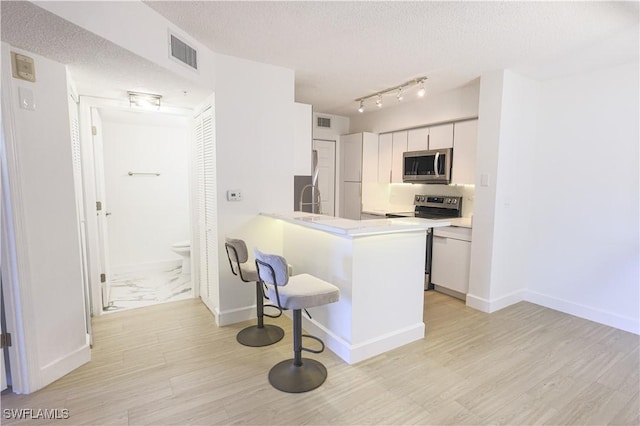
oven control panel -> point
(437, 201)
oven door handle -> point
(435, 164)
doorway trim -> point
(87, 103)
(20, 316)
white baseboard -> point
(148, 266)
(352, 354)
(232, 316)
(62, 366)
(496, 304)
(612, 319)
(632, 325)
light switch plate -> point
(26, 99)
(484, 179)
(23, 67)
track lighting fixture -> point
(398, 90)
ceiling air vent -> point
(324, 122)
(183, 52)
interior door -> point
(327, 174)
(206, 196)
(101, 206)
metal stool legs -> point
(260, 334)
(298, 374)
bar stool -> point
(260, 334)
(298, 292)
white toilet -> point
(183, 248)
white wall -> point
(585, 236)
(47, 241)
(255, 153)
(489, 121)
(303, 140)
(512, 201)
(558, 224)
(339, 126)
(148, 213)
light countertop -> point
(462, 222)
(355, 228)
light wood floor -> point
(170, 364)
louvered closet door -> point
(211, 208)
(200, 243)
(206, 234)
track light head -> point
(361, 109)
(422, 91)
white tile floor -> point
(137, 289)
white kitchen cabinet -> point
(359, 160)
(399, 147)
(464, 152)
(418, 139)
(369, 157)
(450, 258)
(351, 157)
(441, 136)
(351, 200)
(385, 154)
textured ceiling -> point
(345, 50)
(97, 66)
(341, 51)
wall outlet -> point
(234, 195)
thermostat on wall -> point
(23, 67)
(234, 195)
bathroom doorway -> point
(142, 183)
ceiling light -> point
(144, 100)
(422, 90)
(398, 90)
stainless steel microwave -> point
(433, 166)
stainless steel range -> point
(432, 207)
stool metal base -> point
(287, 377)
(260, 336)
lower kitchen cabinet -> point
(450, 258)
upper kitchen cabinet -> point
(399, 147)
(441, 136)
(385, 154)
(351, 157)
(418, 139)
(464, 152)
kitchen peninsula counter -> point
(357, 228)
(378, 265)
